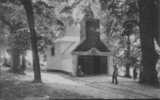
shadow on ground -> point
(13, 89)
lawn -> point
(13, 89)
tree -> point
(14, 20)
(148, 33)
(21, 42)
(119, 29)
(128, 31)
(36, 66)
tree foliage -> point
(14, 17)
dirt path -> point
(100, 86)
(62, 86)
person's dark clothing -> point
(80, 72)
(114, 76)
(134, 73)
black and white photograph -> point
(79, 49)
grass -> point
(13, 89)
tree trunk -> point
(127, 74)
(15, 56)
(36, 66)
(23, 64)
(148, 31)
(15, 60)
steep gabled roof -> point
(86, 46)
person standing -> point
(135, 73)
(115, 74)
(80, 72)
